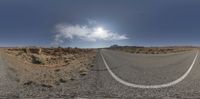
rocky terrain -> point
(46, 67)
(150, 50)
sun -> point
(99, 30)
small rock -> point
(62, 80)
(83, 71)
(29, 83)
(48, 86)
(57, 70)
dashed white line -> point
(149, 86)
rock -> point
(62, 80)
(83, 71)
(57, 70)
(29, 83)
(47, 86)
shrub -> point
(37, 60)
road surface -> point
(180, 72)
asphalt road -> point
(148, 70)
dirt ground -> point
(153, 50)
(48, 67)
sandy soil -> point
(153, 50)
(50, 67)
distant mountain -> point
(118, 46)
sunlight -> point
(101, 32)
(99, 29)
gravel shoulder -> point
(8, 81)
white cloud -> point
(84, 32)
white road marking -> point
(149, 86)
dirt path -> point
(8, 86)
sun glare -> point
(100, 32)
(100, 29)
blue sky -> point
(123, 22)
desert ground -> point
(46, 67)
(151, 50)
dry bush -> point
(36, 59)
(152, 50)
(49, 56)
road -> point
(179, 73)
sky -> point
(99, 23)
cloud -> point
(85, 33)
(92, 22)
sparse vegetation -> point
(37, 59)
(49, 67)
(150, 50)
(49, 57)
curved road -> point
(148, 70)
